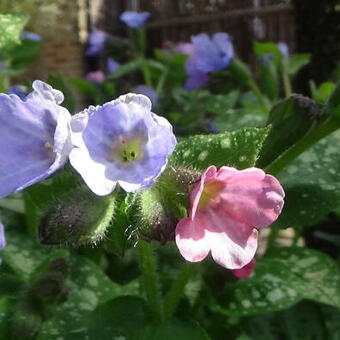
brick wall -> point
(62, 49)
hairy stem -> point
(150, 279)
(176, 290)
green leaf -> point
(220, 103)
(89, 287)
(296, 62)
(126, 69)
(23, 254)
(85, 87)
(174, 330)
(290, 120)
(312, 184)
(263, 49)
(11, 26)
(269, 80)
(281, 279)
(333, 104)
(6, 304)
(240, 71)
(324, 91)
(25, 53)
(239, 149)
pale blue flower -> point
(19, 90)
(212, 54)
(96, 42)
(31, 36)
(196, 78)
(34, 137)
(147, 91)
(284, 49)
(121, 142)
(112, 65)
(134, 19)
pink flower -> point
(225, 207)
(96, 77)
(245, 271)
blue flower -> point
(121, 142)
(112, 65)
(212, 54)
(2, 238)
(147, 91)
(34, 137)
(31, 36)
(19, 90)
(284, 49)
(96, 42)
(134, 19)
(196, 78)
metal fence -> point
(245, 20)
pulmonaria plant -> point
(226, 206)
(121, 142)
(134, 19)
(34, 137)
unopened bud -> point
(80, 218)
(162, 206)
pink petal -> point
(251, 197)
(197, 190)
(245, 271)
(233, 244)
(190, 239)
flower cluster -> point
(120, 142)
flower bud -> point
(80, 218)
(161, 207)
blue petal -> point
(29, 151)
(134, 19)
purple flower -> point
(96, 42)
(185, 48)
(196, 78)
(212, 54)
(147, 91)
(34, 137)
(120, 142)
(112, 65)
(283, 47)
(2, 238)
(19, 90)
(96, 77)
(134, 19)
(31, 36)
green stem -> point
(262, 99)
(272, 237)
(150, 279)
(161, 81)
(286, 81)
(313, 136)
(176, 291)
